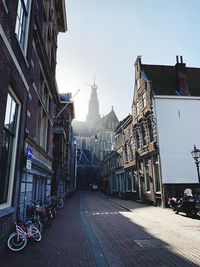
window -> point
(137, 108)
(108, 137)
(42, 127)
(114, 184)
(143, 134)
(150, 130)
(129, 182)
(138, 83)
(125, 153)
(146, 173)
(144, 101)
(137, 139)
(39, 189)
(156, 173)
(22, 22)
(8, 149)
(131, 151)
(5, 5)
(46, 98)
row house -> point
(163, 171)
(28, 42)
(153, 145)
(119, 186)
(121, 162)
(107, 173)
(147, 169)
(63, 147)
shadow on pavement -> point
(126, 243)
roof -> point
(120, 124)
(164, 79)
(100, 124)
(85, 157)
(80, 128)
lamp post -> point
(196, 156)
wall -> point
(178, 130)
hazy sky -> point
(105, 37)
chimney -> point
(181, 77)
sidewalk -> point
(148, 216)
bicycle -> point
(32, 213)
(18, 239)
(60, 201)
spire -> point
(93, 108)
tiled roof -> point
(193, 75)
(164, 79)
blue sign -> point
(29, 153)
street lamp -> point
(196, 156)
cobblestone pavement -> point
(95, 230)
(64, 244)
(146, 236)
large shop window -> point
(8, 149)
(21, 27)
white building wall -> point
(178, 126)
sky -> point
(105, 37)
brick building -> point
(63, 147)
(142, 169)
(28, 43)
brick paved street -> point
(93, 230)
(63, 244)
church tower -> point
(93, 108)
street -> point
(95, 230)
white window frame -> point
(26, 22)
(13, 157)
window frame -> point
(14, 150)
(22, 23)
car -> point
(94, 187)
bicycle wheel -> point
(60, 203)
(37, 223)
(35, 233)
(16, 242)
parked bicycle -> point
(57, 201)
(32, 213)
(18, 239)
(60, 201)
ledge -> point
(6, 211)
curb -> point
(122, 206)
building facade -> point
(141, 171)
(28, 42)
(63, 147)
